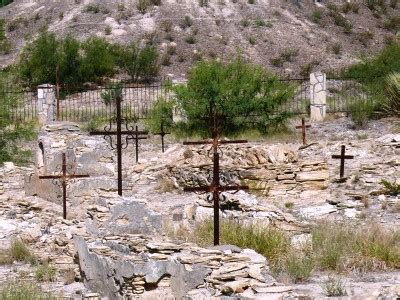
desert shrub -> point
(107, 30)
(392, 90)
(393, 3)
(141, 64)
(190, 39)
(143, 6)
(5, 45)
(238, 90)
(336, 48)
(98, 59)
(19, 251)
(260, 22)
(364, 37)
(17, 290)
(375, 4)
(317, 16)
(392, 23)
(161, 113)
(5, 2)
(361, 111)
(11, 136)
(45, 272)
(333, 287)
(186, 22)
(39, 59)
(111, 93)
(390, 187)
(372, 72)
(92, 8)
(166, 60)
(203, 3)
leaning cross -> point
(342, 158)
(162, 133)
(215, 188)
(64, 177)
(303, 126)
(129, 133)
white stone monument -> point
(46, 106)
(317, 96)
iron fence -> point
(84, 103)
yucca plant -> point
(392, 105)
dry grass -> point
(337, 247)
(21, 290)
(18, 251)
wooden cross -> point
(64, 177)
(162, 133)
(342, 158)
(303, 126)
(215, 188)
(129, 133)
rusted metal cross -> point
(162, 133)
(129, 134)
(137, 136)
(64, 178)
(342, 158)
(303, 126)
(215, 188)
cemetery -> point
(196, 150)
(122, 213)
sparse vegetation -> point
(108, 30)
(336, 48)
(334, 246)
(45, 273)
(391, 187)
(203, 3)
(5, 2)
(317, 16)
(361, 111)
(392, 23)
(92, 8)
(190, 39)
(17, 290)
(187, 22)
(333, 287)
(392, 90)
(364, 37)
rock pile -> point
(127, 265)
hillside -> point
(279, 34)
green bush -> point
(10, 135)
(45, 273)
(5, 2)
(333, 287)
(141, 64)
(39, 59)
(392, 91)
(111, 93)
(161, 113)
(87, 61)
(98, 59)
(361, 111)
(245, 96)
(390, 187)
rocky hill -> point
(296, 35)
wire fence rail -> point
(83, 103)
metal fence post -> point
(317, 96)
(46, 104)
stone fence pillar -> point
(46, 104)
(317, 96)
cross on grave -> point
(64, 177)
(215, 188)
(303, 126)
(162, 133)
(342, 158)
(137, 137)
(129, 133)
